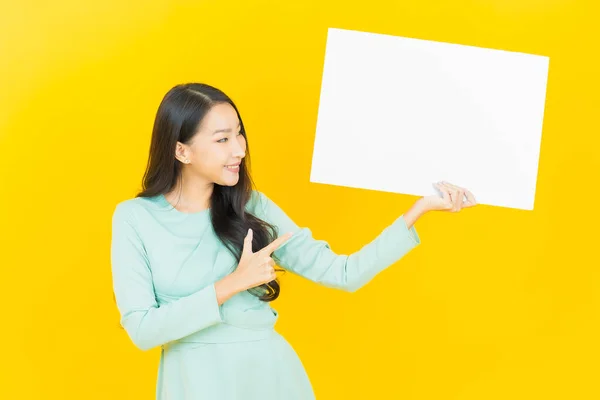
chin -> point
(229, 182)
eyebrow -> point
(225, 130)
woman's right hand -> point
(255, 269)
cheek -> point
(212, 161)
(242, 141)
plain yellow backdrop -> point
(496, 303)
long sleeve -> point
(314, 259)
(148, 324)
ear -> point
(181, 153)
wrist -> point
(422, 206)
(228, 287)
(419, 208)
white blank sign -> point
(398, 114)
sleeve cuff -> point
(207, 308)
(412, 231)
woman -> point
(193, 257)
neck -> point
(191, 195)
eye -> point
(225, 139)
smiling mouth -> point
(233, 168)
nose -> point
(238, 149)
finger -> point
(270, 267)
(269, 270)
(469, 196)
(247, 249)
(267, 262)
(445, 195)
(458, 202)
(455, 194)
(451, 186)
(470, 199)
(452, 194)
(271, 247)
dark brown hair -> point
(177, 119)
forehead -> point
(220, 116)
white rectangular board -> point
(398, 114)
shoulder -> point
(257, 202)
(130, 210)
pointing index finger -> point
(271, 247)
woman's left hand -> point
(452, 199)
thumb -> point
(247, 249)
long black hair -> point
(177, 120)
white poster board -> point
(398, 114)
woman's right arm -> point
(148, 324)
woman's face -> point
(217, 148)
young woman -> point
(193, 257)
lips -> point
(235, 168)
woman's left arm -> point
(314, 259)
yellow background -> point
(495, 304)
